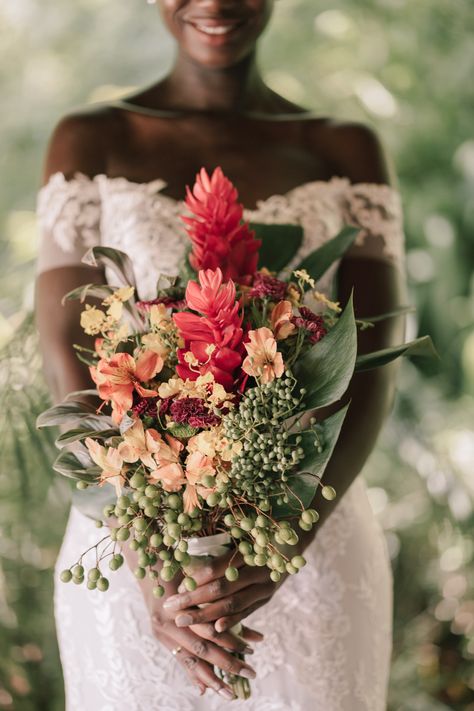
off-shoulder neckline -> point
(156, 186)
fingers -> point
(225, 607)
(226, 623)
(227, 640)
(209, 592)
(199, 671)
(207, 651)
(212, 568)
(249, 635)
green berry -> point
(213, 499)
(134, 545)
(275, 576)
(123, 502)
(190, 584)
(93, 574)
(77, 581)
(168, 573)
(140, 573)
(137, 481)
(151, 511)
(298, 561)
(232, 574)
(159, 591)
(151, 491)
(123, 534)
(305, 526)
(260, 560)
(236, 532)
(98, 523)
(307, 517)
(156, 540)
(78, 571)
(328, 493)
(174, 501)
(91, 584)
(66, 576)
(183, 546)
(140, 525)
(102, 584)
(81, 485)
(290, 568)
(245, 548)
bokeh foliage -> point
(403, 66)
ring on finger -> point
(176, 651)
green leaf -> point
(76, 465)
(84, 393)
(94, 291)
(182, 431)
(304, 484)
(113, 259)
(65, 412)
(327, 368)
(388, 314)
(280, 243)
(422, 347)
(319, 261)
(81, 433)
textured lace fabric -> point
(327, 630)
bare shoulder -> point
(353, 150)
(81, 142)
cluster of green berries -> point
(269, 455)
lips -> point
(216, 29)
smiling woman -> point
(328, 633)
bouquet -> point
(208, 433)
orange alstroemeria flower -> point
(140, 444)
(111, 463)
(197, 466)
(263, 361)
(167, 465)
(280, 320)
(117, 378)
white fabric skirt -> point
(328, 630)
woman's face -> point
(216, 33)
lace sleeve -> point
(377, 209)
(68, 213)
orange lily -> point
(117, 378)
(197, 466)
(167, 465)
(140, 444)
(111, 463)
(263, 360)
(280, 320)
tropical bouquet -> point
(207, 433)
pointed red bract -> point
(220, 237)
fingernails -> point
(181, 588)
(226, 693)
(171, 602)
(248, 650)
(183, 620)
(247, 673)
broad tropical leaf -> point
(422, 347)
(81, 433)
(326, 370)
(280, 243)
(113, 259)
(319, 261)
(304, 484)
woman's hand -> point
(226, 603)
(198, 648)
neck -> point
(236, 89)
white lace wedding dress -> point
(327, 630)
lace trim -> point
(69, 210)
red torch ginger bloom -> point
(111, 463)
(263, 361)
(168, 468)
(213, 341)
(119, 377)
(219, 237)
(311, 322)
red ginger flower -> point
(214, 339)
(220, 239)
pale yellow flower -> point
(172, 387)
(153, 342)
(111, 463)
(160, 318)
(333, 305)
(92, 320)
(124, 293)
(115, 310)
(303, 275)
(264, 361)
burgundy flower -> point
(145, 407)
(209, 420)
(268, 286)
(182, 410)
(165, 406)
(311, 322)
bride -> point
(115, 174)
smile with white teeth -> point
(217, 30)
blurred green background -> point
(405, 67)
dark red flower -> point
(268, 286)
(145, 407)
(165, 405)
(220, 237)
(168, 301)
(311, 322)
(193, 411)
